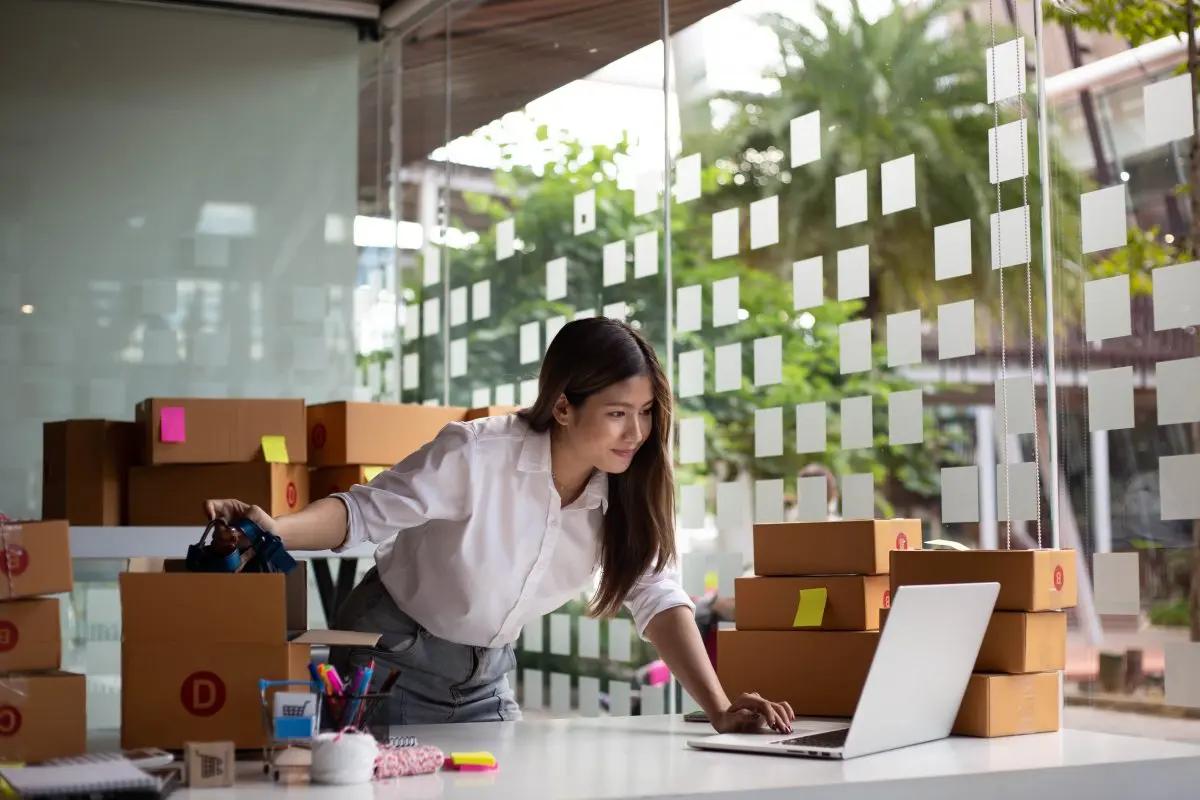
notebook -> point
(100, 778)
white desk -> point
(647, 757)
(165, 542)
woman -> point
(499, 521)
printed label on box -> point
(887, 598)
(16, 560)
(202, 694)
(291, 495)
(1058, 578)
(9, 636)
(318, 436)
(10, 720)
(901, 541)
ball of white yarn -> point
(342, 758)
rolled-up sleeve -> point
(432, 483)
(654, 593)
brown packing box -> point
(372, 433)
(490, 411)
(42, 716)
(819, 673)
(30, 638)
(219, 431)
(849, 547)
(852, 602)
(85, 466)
(1007, 705)
(38, 558)
(190, 673)
(1017, 642)
(325, 481)
(1030, 580)
(174, 494)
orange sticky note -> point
(810, 611)
(275, 449)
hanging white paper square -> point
(853, 267)
(1102, 218)
(960, 494)
(687, 178)
(808, 283)
(585, 212)
(614, 263)
(851, 198)
(458, 358)
(556, 279)
(529, 392)
(733, 506)
(1008, 152)
(586, 313)
(725, 233)
(553, 326)
(904, 338)
(1005, 68)
(645, 254)
(812, 498)
(506, 234)
(906, 415)
(481, 397)
(1116, 583)
(857, 423)
(768, 432)
(764, 222)
(728, 358)
(411, 319)
(1176, 296)
(858, 496)
(620, 631)
(1010, 237)
(1181, 674)
(768, 360)
(1110, 399)
(691, 440)
(898, 184)
(1017, 392)
(506, 395)
(956, 329)
(1167, 109)
(768, 501)
(806, 138)
(411, 371)
(854, 346)
(530, 351)
(687, 308)
(691, 374)
(726, 302)
(1177, 486)
(618, 311)
(952, 250)
(1106, 308)
(431, 317)
(691, 505)
(810, 427)
(458, 306)
(431, 261)
(1022, 496)
(481, 300)
(645, 193)
(1178, 383)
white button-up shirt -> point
(474, 541)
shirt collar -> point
(535, 457)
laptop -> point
(932, 632)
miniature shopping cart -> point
(290, 718)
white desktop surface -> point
(627, 757)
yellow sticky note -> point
(275, 449)
(480, 759)
(711, 581)
(810, 611)
(370, 472)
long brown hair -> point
(586, 356)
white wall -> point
(177, 188)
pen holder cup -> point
(366, 713)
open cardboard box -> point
(194, 646)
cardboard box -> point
(194, 646)
(85, 466)
(820, 673)
(372, 433)
(325, 481)
(174, 494)
(1007, 705)
(1018, 642)
(1030, 580)
(37, 558)
(30, 637)
(208, 765)
(490, 411)
(848, 547)
(852, 602)
(42, 716)
(219, 431)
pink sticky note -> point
(172, 424)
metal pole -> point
(665, 34)
(1052, 487)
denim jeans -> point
(439, 681)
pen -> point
(335, 680)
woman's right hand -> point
(230, 510)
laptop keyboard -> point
(835, 738)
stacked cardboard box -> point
(1015, 688)
(807, 623)
(43, 711)
(200, 448)
(351, 443)
(194, 646)
(85, 470)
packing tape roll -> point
(343, 758)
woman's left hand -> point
(749, 712)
